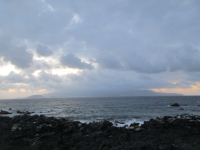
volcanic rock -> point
(24, 112)
(118, 122)
(175, 104)
(36, 132)
(4, 112)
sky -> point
(57, 45)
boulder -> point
(105, 124)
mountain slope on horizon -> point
(87, 93)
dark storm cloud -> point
(15, 78)
(129, 24)
(144, 62)
(184, 58)
(46, 77)
(34, 20)
(43, 50)
(108, 61)
(72, 61)
(16, 55)
(113, 25)
(115, 80)
(193, 77)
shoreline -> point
(41, 132)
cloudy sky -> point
(54, 45)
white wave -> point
(128, 122)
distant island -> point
(35, 97)
(105, 93)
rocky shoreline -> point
(36, 132)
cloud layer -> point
(119, 45)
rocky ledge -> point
(48, 133)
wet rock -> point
(125, 126)
(79, 125)
(23, 112)
(39, 128)
(4, 112)
(105, 124)
(175, 105)
(14, 127)
(139, 129)
(116, 122)
(20, 112)
(170, 120)
(48, 133)
(131, 128)
(135, 125)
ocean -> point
(122, 109)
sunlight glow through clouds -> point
(5, 70)
(21, 84)
(65, 71)
(194, 90)
(22, 90)
(22, 93)
(58, 72)
(10, 91)
(36, 73)
(42, 90)
(175, 82)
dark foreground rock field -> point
(36, 132)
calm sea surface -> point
(126, 109)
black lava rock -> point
(48, 133)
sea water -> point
(122, 109)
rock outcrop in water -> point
(48, 133)
(4, 112)
(24, 112)
(175, 105)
